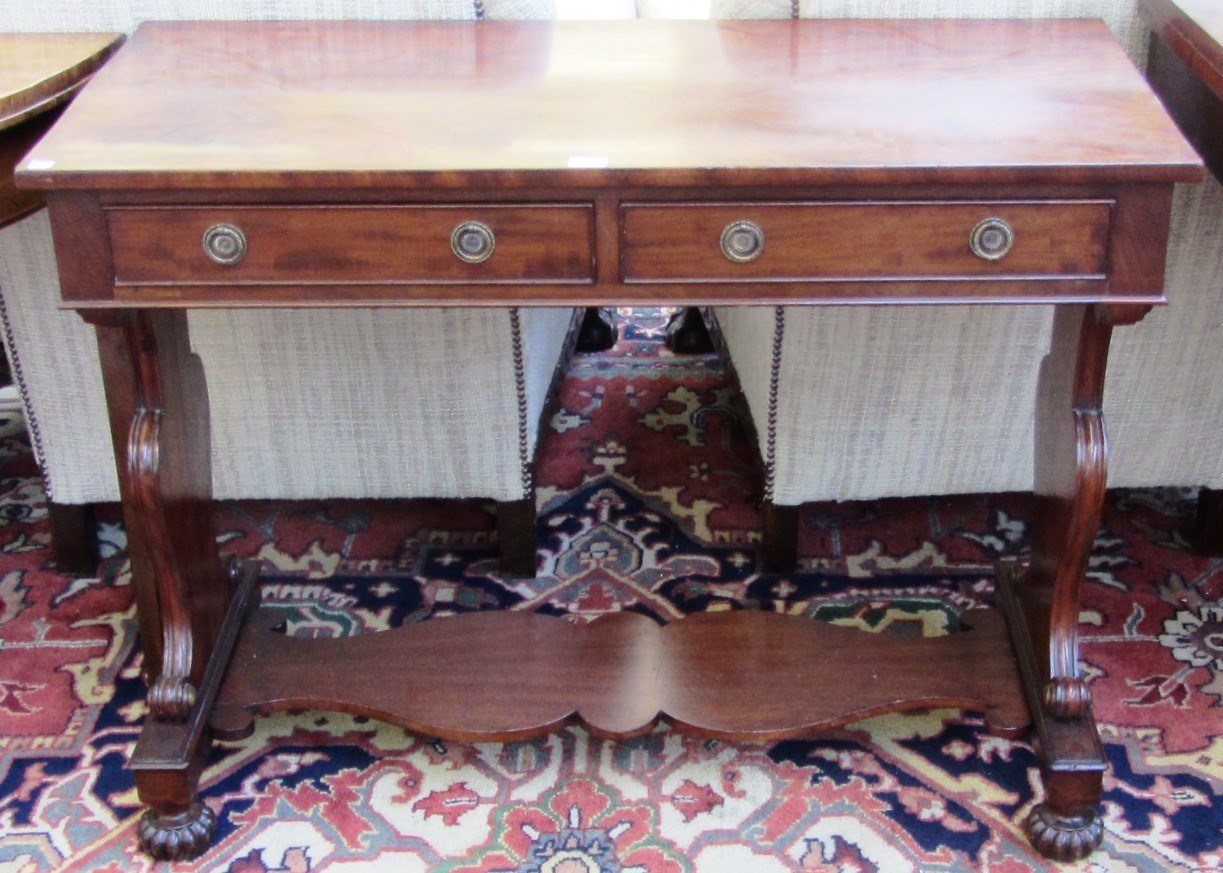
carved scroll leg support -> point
(1071, 466)
(1066, 825)
(158, 407)
(170, 755)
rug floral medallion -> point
(647, 492)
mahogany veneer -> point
(39, 73)
(822, 162)
(408, 245)
(854, 241)
(532, 673)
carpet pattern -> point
(647, 503)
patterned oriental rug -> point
(647, 503)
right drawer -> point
(877, 241)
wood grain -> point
(831, 241)
(409, 244)
(39, 71)
(168, 475)
(509, 675)
(508, 104)
(1071, 472)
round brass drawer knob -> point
(742, 241)
(473, 242)
(992, 239)
(225, 243)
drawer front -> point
(352, 244)
(863, 241)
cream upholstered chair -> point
(305, 404)
(893, 401)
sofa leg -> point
(687, 333)
(1209, 525)
(779, 539)
(598, 331)
(74, 537)
(516, 536)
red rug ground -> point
(647, 503)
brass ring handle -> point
(225, 243)
(742, 241)
(473, 242)
(992, 239)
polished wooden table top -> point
(242, 105)
(39, 72)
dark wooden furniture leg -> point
(516, 536)
(159, 415)
(1208, 525)
(1042, 597)
(598, 331)
(687, 333)
(779, 537)
(74, 537)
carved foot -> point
(1064, 837)
(180, 836)
(687, 333)
(598, 331)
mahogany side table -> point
(743, 163)
(1185, 67)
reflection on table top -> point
(39, 71)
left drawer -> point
(320, 244)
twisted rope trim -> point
(31, 420)
(520, 388)
(770, 443)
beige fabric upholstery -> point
(374, 403)
(673, 8)
(55, 365)
(1163, 398)
(304, 404)
(874, 402)
(896, 401)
